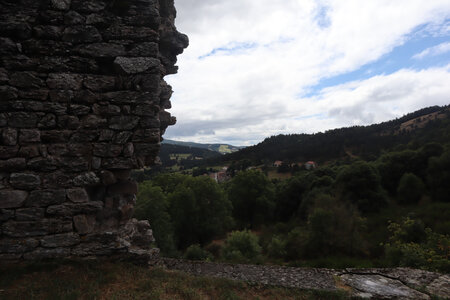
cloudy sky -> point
(256, 68)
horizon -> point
(305, 67)
(299, 133)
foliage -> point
(152, 205)
(413, 245)
(242, 247)
(439, 177)
(252, 195)
(359, 183)
(196, 252)
(200, 211)
(277, 247)
(410, 189)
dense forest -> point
(387, 205)
(368, 142)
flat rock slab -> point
(394, 283)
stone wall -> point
(82, 101)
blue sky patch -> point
(401, 57)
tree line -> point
(391, 211)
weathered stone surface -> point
(61, 4)
(30, 214)
(60, 240)
(71, 209)
(81, 34)
(380, 287)
(102, 50)
(6, 214)
(84, 224)
(47, 253)
(107, 150)
(65, 81)
(13, 164)
(22, 119)
(12, 198)
(77, 195)
(45, 198)
(18, 245)
(123, 122)
(25, 181)
(134, 65)
(36, 228)
(82, 90)
(29, 136)
(26, 80)
(86, 179)
(9, 137)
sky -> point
(257, 68)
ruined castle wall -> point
(82, 101)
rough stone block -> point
(13, 164)
(84, 224)
(47, 253)
(99, 83)
(18, 245)
(107, 150)
(9, 137)
(29, 136)
(135, 65)
(36, 228)
(25, 181)
(65, 81)
(60, 240)
(86, 179)
(30, 214)
(123, 122)
(44, 198)
(61, 4)
(81, 34)
(109, 50)
(12, 198)
(26, 80)
(22, 119)
(77, 195)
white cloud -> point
(434, 51)
(244, 96)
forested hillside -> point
(367, 142)
(386, 204)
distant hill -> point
(430, 124)
(221, 148)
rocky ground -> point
(397, 283)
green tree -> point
(360, 184)
(241, 246)
(410, 189)
(393, 165)
(152, 205)
(252, 195)
(200, 211)
(438, 177)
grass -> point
(108, 280)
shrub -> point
(277, 247)
(412, 245)
(242, 247)
(195, 252)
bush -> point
(195, 252)
(241, 247)
(410, 189)
(277, 247)
(412, 245)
